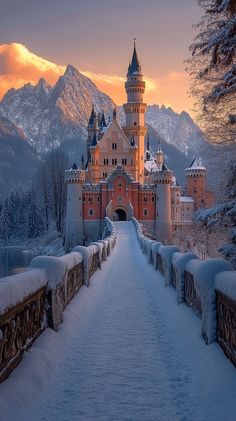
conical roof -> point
(92, 116)
(94, 142)
(134, 66)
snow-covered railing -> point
(225, 283)
(35, 299)
(208, 287)
(64, 279)
(22, 316)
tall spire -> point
(134, 66)
(92, 116)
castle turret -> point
(148, 151)
(93, 128)
(175, 201)
(163, 224)
(74, 232)
(135, 110)
(159, 158)
(196, 183)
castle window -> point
(84, 199)
(145, 212)
(153, 199)
(98, 199)
(90, 199)
(112, 161)
(145, 199)
(131, 162)
(135, 124)
(115, 145)
(90, 212)
(115, 161)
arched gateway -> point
(119, 215)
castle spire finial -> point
(134, 66)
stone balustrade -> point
(208, 287)
(36, 299)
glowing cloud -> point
(19, 66)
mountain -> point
(55, 116)
(18, 158)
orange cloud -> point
(19, 66)
(113, 85)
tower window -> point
(145, 212)
(90, 212)
(135, 124)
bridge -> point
(125, 349)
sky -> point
(39, 38)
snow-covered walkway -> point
(125, 351)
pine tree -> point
(212, 68)
(35, 223)
(6, 224)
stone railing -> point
(35, 299)
(22, 316)
(208, 287)
(192, 299)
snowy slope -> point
(125, 351)
(49, 115)
(17, 157)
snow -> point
(226, 282)
(186, 199)
(179, 261)
(15, 289)
(166, 253)
(72, 259)
(150, 165)
(204, 279)
(100, 247)
(55, 268)
(125, 351)
(87, 253)
(155, 251)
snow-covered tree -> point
(6, 224)
(35, 223)
(219, 222)
(212, 68)
(52, 188)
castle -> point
(122, 178)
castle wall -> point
(93, 230)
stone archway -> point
(119, 215)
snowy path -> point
(125, 351)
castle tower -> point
(175, 200)
(196, 183)
(135, 110)
(74, 212)
(159, 158)
(163, 223)
(93, 128)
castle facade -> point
(122, 178)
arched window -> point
(145, 212)
(90, 212)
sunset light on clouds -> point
(19, 66)
(97, 39)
